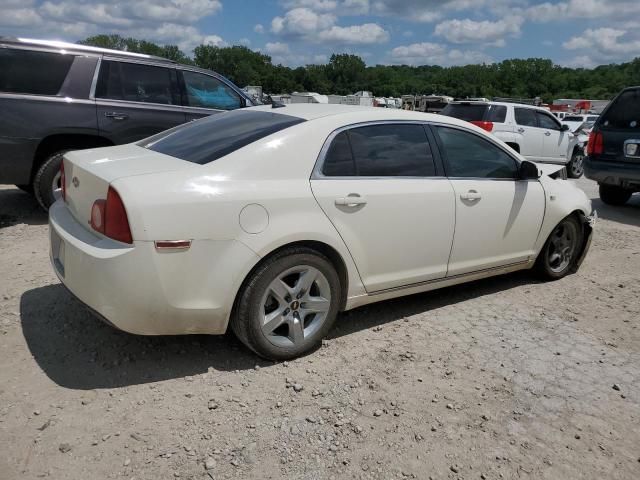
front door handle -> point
(351, 200)
(521, 130)
(471, 195)
(547, 133)
(116, 115)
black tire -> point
(44, 177)
(548, 266)
(612, 195)
(575, 168)
(247, 319)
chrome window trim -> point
(94, 80)
(140, 105)
(48, 98)
(317, 169)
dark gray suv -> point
(56, 97)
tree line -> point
(345, 74)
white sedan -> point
(273, 220)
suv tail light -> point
(63, 182)
(488, 126)
(595, 146)
(109, 217)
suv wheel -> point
(46, 183)
(575, 169)
(288, 304)
(612, 195)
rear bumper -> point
(620, 174)
(142, 291)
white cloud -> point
(162, 21)
(301, 21)
(276, 48)
(606, 41)
(483, 32)
(259, 28)
(428, 53)
(317, 5)
(244, 42)
(585, 9)
(355, 35)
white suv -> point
(532, 131)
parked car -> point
(613, 151)
(271, 221)
(531, 131)
(56, 97)
(580, 121)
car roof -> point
(312, 111)
(55, 45)
(506, 104)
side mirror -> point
(564, 127)
(528, 170)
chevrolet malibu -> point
(271, 221)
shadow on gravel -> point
(17, 206)
(76, 350)
(380, 313)
(628, 213)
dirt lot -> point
(502, 378)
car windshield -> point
(220, 134)
(624, 113)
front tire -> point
(575, 169)
(561, 250)
(288, 304)
(612, 195)
(46, 182)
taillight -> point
(595, 145)
(110, 218)
(488, 126)
(63, 182)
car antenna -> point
(277, 105)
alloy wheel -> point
(295, 305)
(562, 246)
(577, 165)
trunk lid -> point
(88, 173)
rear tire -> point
(561, 251)
(288, 304)
(612, 195)
(46, 182)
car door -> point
(556, 141)
(498, 216)
(205, 95)
(136, 100)
(381, 189)
(532, 137)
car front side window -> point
(546, 121)
(467, 155)
(384, 150)
(526, 117)
(205, 91)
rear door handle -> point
(547, 133)
(351, 200)
(470, 195)
(116, 115)
(521, 130)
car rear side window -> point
(388, 150)
(477, 112)
(213, 137)
(624, 113)
(135, 82)
(467, 155)
(34, 73)
(526, 117)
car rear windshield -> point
(476, 112)
(31, 72)
(624, 113)
(218, 135)
(573, 119)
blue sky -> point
(580, 33)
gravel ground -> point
(501, 378)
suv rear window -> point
(471, 112)
(220, 134)
(35, 73)
(624, 113)
(573, 119)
